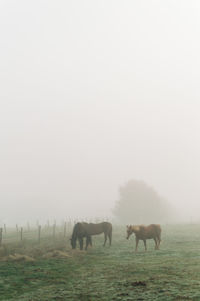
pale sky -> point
(94, 93)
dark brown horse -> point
(82, 230)
(145, 232)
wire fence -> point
(39, 232)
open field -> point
(116, 273)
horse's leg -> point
(145, 244)
(156, 243)
(90, 240)
(159, 239)
(110, 237)
(105, 239)
(87, 242)
(136, 245)
(81, 243)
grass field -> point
(116, 273)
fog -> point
(93, 94)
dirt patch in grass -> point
(138, 283)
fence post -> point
(69, 224)
(65, 229)
(17, 228)
(1, 235)
(21, 233)
(54, 231)
(28, 226)
(4, 228)
(39, 233)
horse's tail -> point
(159, 233)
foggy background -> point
(93, 94)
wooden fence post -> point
(54, 231)
(4, 228)
(65, 229)
(69, 224)
(17, 228)
(39, 233)
(1, 235)
(28, 226)
(21, 233)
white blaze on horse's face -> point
(129, 231)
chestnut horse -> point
(145, 232)
(82, 230)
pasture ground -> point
(116, 273)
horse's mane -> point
(77, 228)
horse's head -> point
(73, 243)
(129, 231)
(75, 235)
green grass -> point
(116, 273)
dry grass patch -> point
(18, 257)
(56, 254)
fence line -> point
(38, 232)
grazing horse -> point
(145, 232)
(82, 230)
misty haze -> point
(88, 104)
